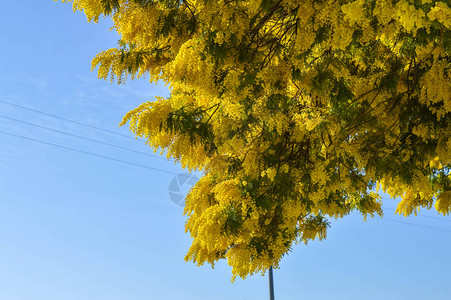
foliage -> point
(296, 111)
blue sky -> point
(75, 226)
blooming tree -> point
(296, 111)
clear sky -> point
(82, 227)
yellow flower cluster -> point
(296, 111)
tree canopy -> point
(296, 111)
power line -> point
(81, 137)
(418, 225)
(425, 216)
(88, 153)
(65, 119)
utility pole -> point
(271, 284)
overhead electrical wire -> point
(82, 137)
(418, 225)
(422, 215)
(87, 153)
(65, 119)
